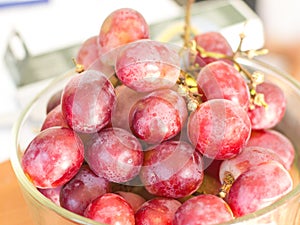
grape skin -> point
(122, 26)
(54, 101)
(115, 154)
(82, 189)
(158, 116)
(221, 80)
(53, 157)
(212, 42)
(54, 118)
(259, 187)
(135, 200)
(87, 101)
(251, 156)
(126, 98)
(266, 118)
(202, 210)
(172, 169)
(276, 142)
(52, 193)
(110, 208)
(88, 52)
(157, 211)
(148, 65)
(219, 129)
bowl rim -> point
(73, 217)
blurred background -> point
(39, 37)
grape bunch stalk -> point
(147, 132)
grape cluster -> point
(143, 125)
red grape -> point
(54, 101)
(172, 169)
(88, 52)
(264, 118)
(134, 200)
(114, 154)
(157, 211)
(54, 118)
(121, 27)
(126, 98)
(221, 80)
(259, 187)
(110, 209)
(249, 157)
(276, 142)
(212, 42)
(158, 116)
(53, 157)
(203, 209)
(82, 189)
(148, 65)
(219, 129)
(52, 193)
(87, 101)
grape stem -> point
(79, 68)
(187, 27)
(227, 183)
(193, 101)
(257, 99)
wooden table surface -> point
(13, 209)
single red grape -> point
(157, 211)
(219, 129)
(158, 116)
(249, 157)
(148, 65)
(267, 117)
(52, 193)
(126, 98)
(276, 142)
(53, 157)
(221, 80)
(212, 42)
(88, 52)
(203, 209)
(122, 26)
(114, 154)
(135, 200)
(54, 101)
(110, 209)
(82, 189)
(258, 187)
(87, 101)
(54, 118)
(172, 169)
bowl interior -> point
(32, 117)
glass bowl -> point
(44, 211)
